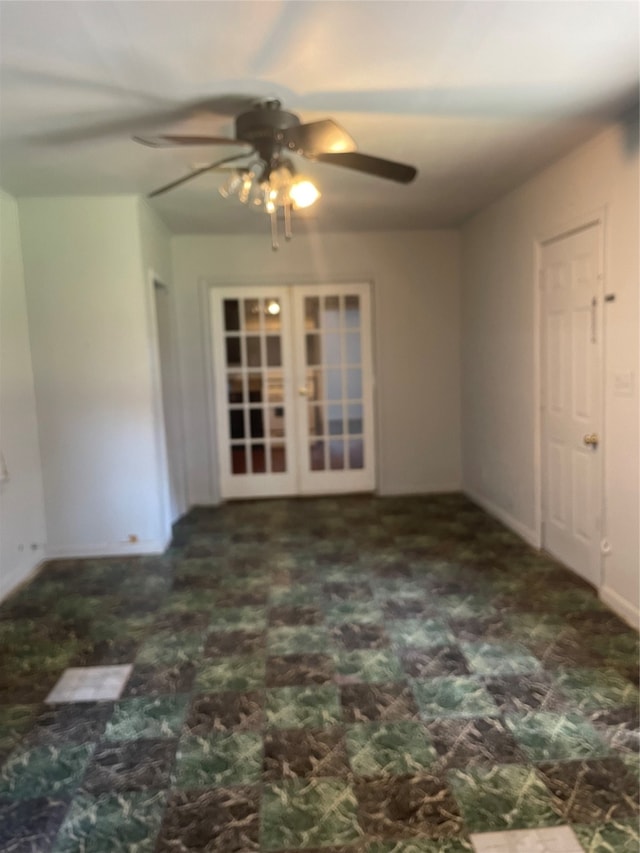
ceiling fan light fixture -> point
(303, 193)
(232, 185)
(271, 187)
(270, 199)
(281, 176)
(257, 194)
(245, 190)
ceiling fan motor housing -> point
(263, 127)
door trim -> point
(161, 450)
(175, 456)
(596, 217)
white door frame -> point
(162, 448)
(600, 218)
(174, 441)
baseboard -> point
(419, 489)
(527, 533)
(115, 549)
(625, 609)
(10, 583)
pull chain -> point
(287, 221)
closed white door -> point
(571, 282)
(293, 390)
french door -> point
(293, 389)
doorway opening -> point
(171, 399)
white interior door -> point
(571, 282)
(293, 390)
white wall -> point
(416, 340)
(87, 291)
(499, 404)
(22, 525)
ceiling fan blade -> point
(229, 105)
(12, 74)
(371, 166)
(194, 174)
(477, 102)
(318, 137)
(172, 141)
(222, 105)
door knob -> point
(591, 439)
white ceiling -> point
(476, 95)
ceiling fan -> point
(270, 134)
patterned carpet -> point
(357, 674)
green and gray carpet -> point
(350, 674)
